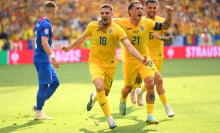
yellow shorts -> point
(130, 70)
(158, 61)
(105, 73)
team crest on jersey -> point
(46, 31)
(142, 28)
(110, 30)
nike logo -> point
(103, 104)
(129, 28)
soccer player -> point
(155, 44)
(47, 76)
(102, 58)
(137, 30)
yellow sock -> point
(150, 108)
(123, 99)
(144, 88)
(163, 98)
(103, 102)
(95, 97)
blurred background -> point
(195, 22)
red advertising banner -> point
(76, 55)
(20, 57)
(192, 52)
(82, 55)
(26, 56)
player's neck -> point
(134, 22)
(153, 18)
(49, 17)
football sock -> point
(41, 96)
(123, 99)
(150, 108)
(124, 94)
(103, 102)
(163, 99)
(94, 97)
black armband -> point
(158, 26)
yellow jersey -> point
(156, 46)
(104, 43)
(137, 36)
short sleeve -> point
(45, 29)
(89, 29)
(121, 33)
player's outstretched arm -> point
(79, 41)
(166, 38)
(48, 50)
(133, 51)
(167, 22)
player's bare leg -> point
(161, 92)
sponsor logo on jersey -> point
(46, 31)
(142, 28)
(110, 30)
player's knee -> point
(99, 87)
(149, 82)
(127, 89)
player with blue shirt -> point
(47, 76)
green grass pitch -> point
(192, 88)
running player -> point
(102, 58)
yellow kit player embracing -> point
(137, 30)
(155, 43)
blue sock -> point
(52, 88)
(41, 96)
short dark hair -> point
(50, 4)
(151, 1)
(107, 6)
(131, 5)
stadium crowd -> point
(195, 22)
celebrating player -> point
(137, 30)
(102, 58)
(155, 44)
(47, 77)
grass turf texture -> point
(192, 88)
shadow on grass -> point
(136, 126)
(15, 127)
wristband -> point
(52, 56)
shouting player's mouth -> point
(139, 16)
(105, 21)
